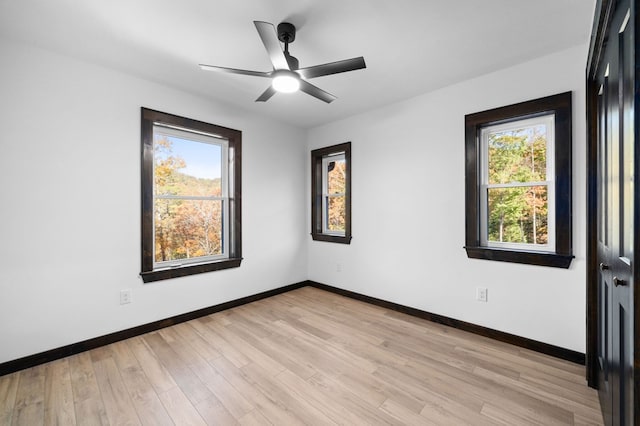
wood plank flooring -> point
(302, 357)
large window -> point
(190, 196)
(515, 195)
(331, 193)
(518, 182)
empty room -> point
(288, 212)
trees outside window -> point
(515, 192)
(331, 193)
(334, 188)
(518, 182)
(190, 196)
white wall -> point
(408, 209)
(70, 203)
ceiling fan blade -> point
(267, 94)
(270, 40)
(333, 68)
(235, 71)
(316, 92)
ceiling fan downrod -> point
(287, 34)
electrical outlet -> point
(481, 294)
(125, 296)
(338, 267)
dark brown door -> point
(615, 219)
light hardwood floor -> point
(302, 357)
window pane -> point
(185, 229)
(518, 215)
(336, 217)
(185, 167)
(331, 194)
(336, 177)
(518, 155)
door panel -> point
(605, 292)
(604, 223)
(615, 227)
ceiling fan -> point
(287, 76)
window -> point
(514, 190)
(190, 196)
(331, 194)
(518, 183)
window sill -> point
(332, 238)
(553, 260)
(183, 271)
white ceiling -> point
(410, 46)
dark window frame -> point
(148, 274)
(316, 193)
(560, 105)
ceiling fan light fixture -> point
(286, 82)
(287, 76)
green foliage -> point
(517, 214)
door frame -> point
(602, 19)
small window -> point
(331, 194)
(190, 196)
(518, 183)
